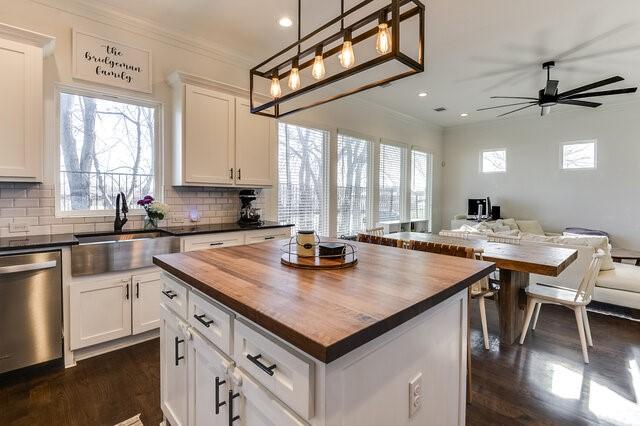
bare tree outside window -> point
(421, 178)
(105, 147)
(391, 182)
(579, 155)
(494, 161)
(353, 178)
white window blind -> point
(352, 184)
(392, 182)
(303, 177)
(421, 185)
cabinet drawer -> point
(212, 321)
(262, 235)
(174, 295)
(288, 375)
(210, 241)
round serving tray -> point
(347, 259)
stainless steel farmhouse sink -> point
(121, 251)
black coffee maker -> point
(248, 215)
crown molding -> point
(177, 78)
(141, 27)
(46, 42)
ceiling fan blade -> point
(544, 111)
(513, 97)
(579, 103)
(591, 86)
(502, 106)
(516, 110)
(603, 93)
(552, 88)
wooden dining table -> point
(515, 262)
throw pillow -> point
(511, 223)
(530, 226)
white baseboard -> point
(103, 348)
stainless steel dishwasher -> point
(30, 309)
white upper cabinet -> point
(216, 140)
(21, 109)
(255, 147)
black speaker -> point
(495, 212)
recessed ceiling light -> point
(422, 94)
(285, 21)
(464, 114)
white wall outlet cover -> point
(415, 395)
(18, 227)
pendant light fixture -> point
(383, 24)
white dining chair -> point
(577, 300)
(482, 290)
(377, 231)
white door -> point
(209, 138)
(173, 368)
(100, 310)
(255, 147)
(21, 111)
(257, 407)
(208, 384)
(145, 306)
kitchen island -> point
(247, 340)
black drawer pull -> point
(127, 293)
(217, 244)
(270, 238)
(169, 293)
(232, 418)
(200, 318)
(177, 342)
(261, 366)
(218, 403)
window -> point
(391, 182)
(421, 180)
(352, 184)
(493, 161)
(579, 155)
(106, 146)
(302, 177)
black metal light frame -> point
(393, 8)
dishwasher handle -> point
(27, 267)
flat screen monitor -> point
(475, 204)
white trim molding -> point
(46, 42)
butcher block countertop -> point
(331, 312)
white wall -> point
(535, 187)
(171, 53)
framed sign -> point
(103, 61)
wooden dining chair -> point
(380, 240)
(577, 300)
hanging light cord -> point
(299, 23)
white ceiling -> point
(475, 48)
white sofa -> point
(618, 286)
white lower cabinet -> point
(173, 368)
(145, 302)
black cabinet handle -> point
(232, 418)
(218, 403)
(200, 318)
(231, 173)
(270, 238)
(255, 359)
(177, 342)
(219, 243)
(137, 290)
(127, 292)
(239, 174)
(169, 293)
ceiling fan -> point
(549, 96)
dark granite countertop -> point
(184, 231)
(37, 241)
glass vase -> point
(150, 223)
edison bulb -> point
(347, 58)
(317, 71)
(294, 79)
(276, 91)
(383, 40)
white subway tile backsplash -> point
(83, 227)
(62, 229)
(27, 202)
(13, 212)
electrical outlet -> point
(18, 227)
(415, 395)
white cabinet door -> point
(209, 137)
(173, 368)
(210, 241)
(145, 306)
(21, 112)
(257, 407)
(255, 147)
(208, 384)
(100, 310)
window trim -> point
(148, 102)
(428, 188)
(481, 158)
(405, 201)
(579, 142)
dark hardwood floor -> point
(543, 381)
(103, 390)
